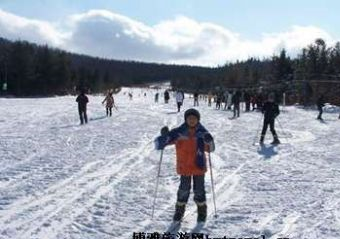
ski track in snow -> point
(62, 180)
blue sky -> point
(248, 23)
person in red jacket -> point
(191, 140)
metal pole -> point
(212, 183)
(157, 181)
(284, 133)
(258, 129)
(283, 101)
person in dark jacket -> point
(218, 100)
(270, 110)
(82, 103)
(247, 100)
(166, 97)
(236, 103)
(196, 99)
(156, 97)
(259, 101)
(320, 103)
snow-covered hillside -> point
(62, 180)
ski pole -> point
(284, 133)
(258, 129)
(212, 183)
(157, 181)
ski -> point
(195, 232)
(174, 227)
(197, 228)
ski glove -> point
(164, 131)
(208, 138)
(161, 141)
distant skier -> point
(196, 99)
(109, 103)
(156, 97)
(166, 96)
(320, 103)
(179, 99)
(218, 101)
(210, 96)
(191, 140)
(236, 103)
(247, 100)
(225, 100)
(270, 110)
(253, 101)
(229, 100)
(82, 105)
(259, 101)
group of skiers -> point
(83, 100)
(191, 140)
(179, 95)
(231, 100)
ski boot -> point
(179, 212)
(275, 141)
(201, 212)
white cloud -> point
(15, 27)
(180, 40)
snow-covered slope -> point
(62, 180)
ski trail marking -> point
(95, 185)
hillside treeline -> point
(30, 69)
(34, 70)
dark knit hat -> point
(192, 112)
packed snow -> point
(59, 179)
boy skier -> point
(191, 140)
(270, 110)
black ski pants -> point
(179, 104)
(82, 115)
(185, 186)
(236, 110)
(247, 106)
(271, 123)
(108, 111)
